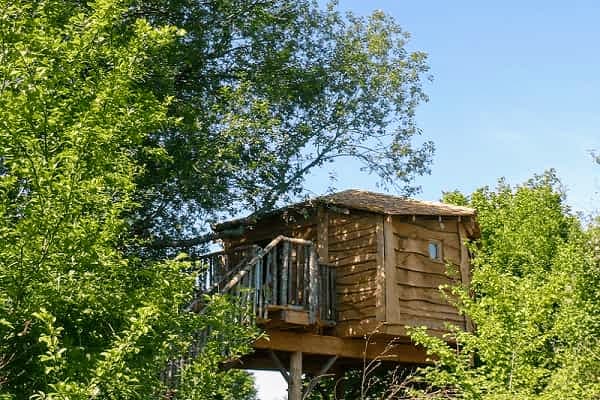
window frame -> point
(440, 250)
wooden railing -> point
(286, 272)
(327, 296)
(215, 268)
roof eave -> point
(254, 218)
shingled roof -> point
(392, 205)
(380, 203)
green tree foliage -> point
(377, 381)
(535, 301)
(124, 125)
(80, 319)
(266, 92)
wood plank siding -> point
(417, 278)
(353, 249)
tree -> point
(267, 91)
(535, 301)
(124, 124)
(81, 318)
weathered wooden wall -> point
(353, 249)
(413, 278)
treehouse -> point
(321, 275)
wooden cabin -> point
(327, 272)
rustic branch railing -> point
(286, 272)
(218, 267)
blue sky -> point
(516, 90)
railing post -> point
(306, 276)
(257, 270)
(299, 279)
(275, 277)
(285, 256)
(324, 306)
(268, 284)
(313, 302)
(261, 286)
(332, 294)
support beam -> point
(295, 382)
(322, 372)
(279, 366)
(341, 347)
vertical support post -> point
(291, 275)
(332, 295)
(298, 291)
(243, 298)
(306, 277)
(465, 266)
(323, 235)
(313, 301)
(257, 288)
(390, 298)
(219, 263)
(323, 292)
(327, 293)
(285, 257)
(276, 276)
(323, 254)
(268, 296)
(210, 272)
(295, 382)
(380, 280)
(252, 287)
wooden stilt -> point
(295, 382)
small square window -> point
(435, 251)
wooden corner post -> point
(465, 266)
(323, 234)
(380, 294)
(392, 309)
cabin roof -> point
(393, 205)
(367, 201)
